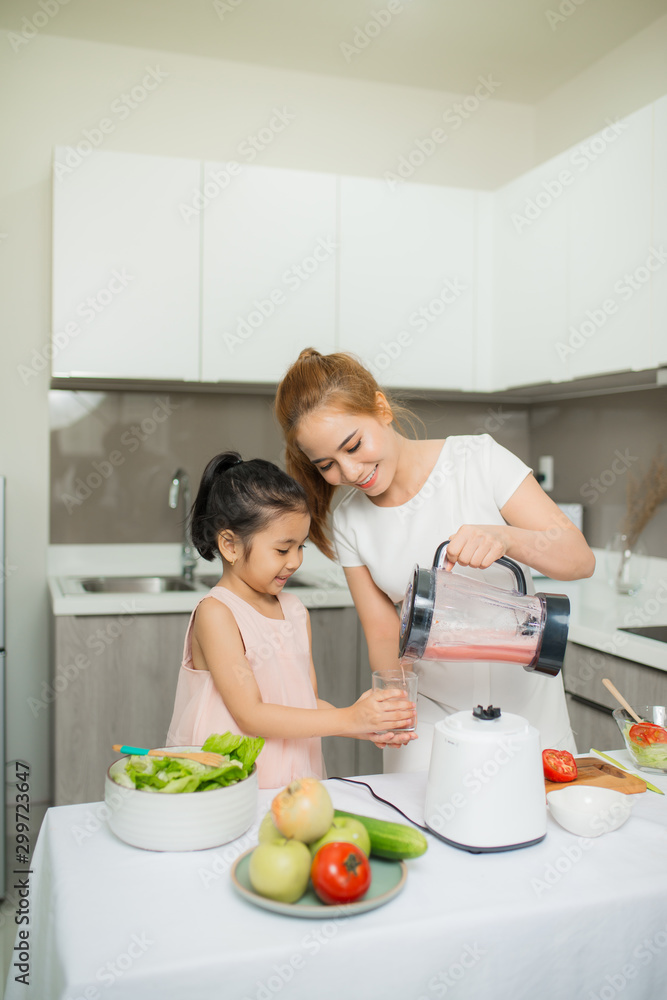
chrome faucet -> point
(180, 483)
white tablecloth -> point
(564, 920)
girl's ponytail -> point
(203, 538)
(241, 497)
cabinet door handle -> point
(589, 704)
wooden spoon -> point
(203, 757)
(613, 690)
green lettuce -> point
(173, 775)
(245, 749)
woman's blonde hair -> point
(313, 381)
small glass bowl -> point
(654, 757)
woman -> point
(407, 496)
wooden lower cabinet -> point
(115, 680)
(590, 704)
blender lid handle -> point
(439, 559)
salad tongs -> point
(202, 756)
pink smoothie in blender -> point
(451, 616)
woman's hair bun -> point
(309, 352)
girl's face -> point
(351, 449)
(275, 553)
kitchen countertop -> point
(322, 582)
(596, 611)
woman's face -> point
(351, 449)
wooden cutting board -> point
(591, 771)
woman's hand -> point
(477, 545)
(396, 739)
(388, 709)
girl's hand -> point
(386, 709)
(476, 545)
(396, 740)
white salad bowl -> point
(589, 811)
(189, 821)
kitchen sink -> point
(207, 582)
(73, 586)
(125, 585)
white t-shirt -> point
(472, 479)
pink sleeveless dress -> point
(279, 653)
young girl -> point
(406, 497)
(247, 664)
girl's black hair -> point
(241, 497)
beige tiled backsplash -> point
(113, 454)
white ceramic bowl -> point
(190, 821)
(589, 811)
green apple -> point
(280, 870)
(268, 832)
(346, 830)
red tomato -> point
(341, 873)
(559, 765)
(645, 733)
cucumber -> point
(395, 841)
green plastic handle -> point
(134, 750)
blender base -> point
(485, 850)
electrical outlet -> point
(545, 468)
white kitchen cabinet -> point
(125, 266)
(269, 271)
(659, 234)
(610, 252)
(530, 277)
(407, 282)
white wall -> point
(202, 109)
(628, 78)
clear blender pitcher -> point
(448, 616)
